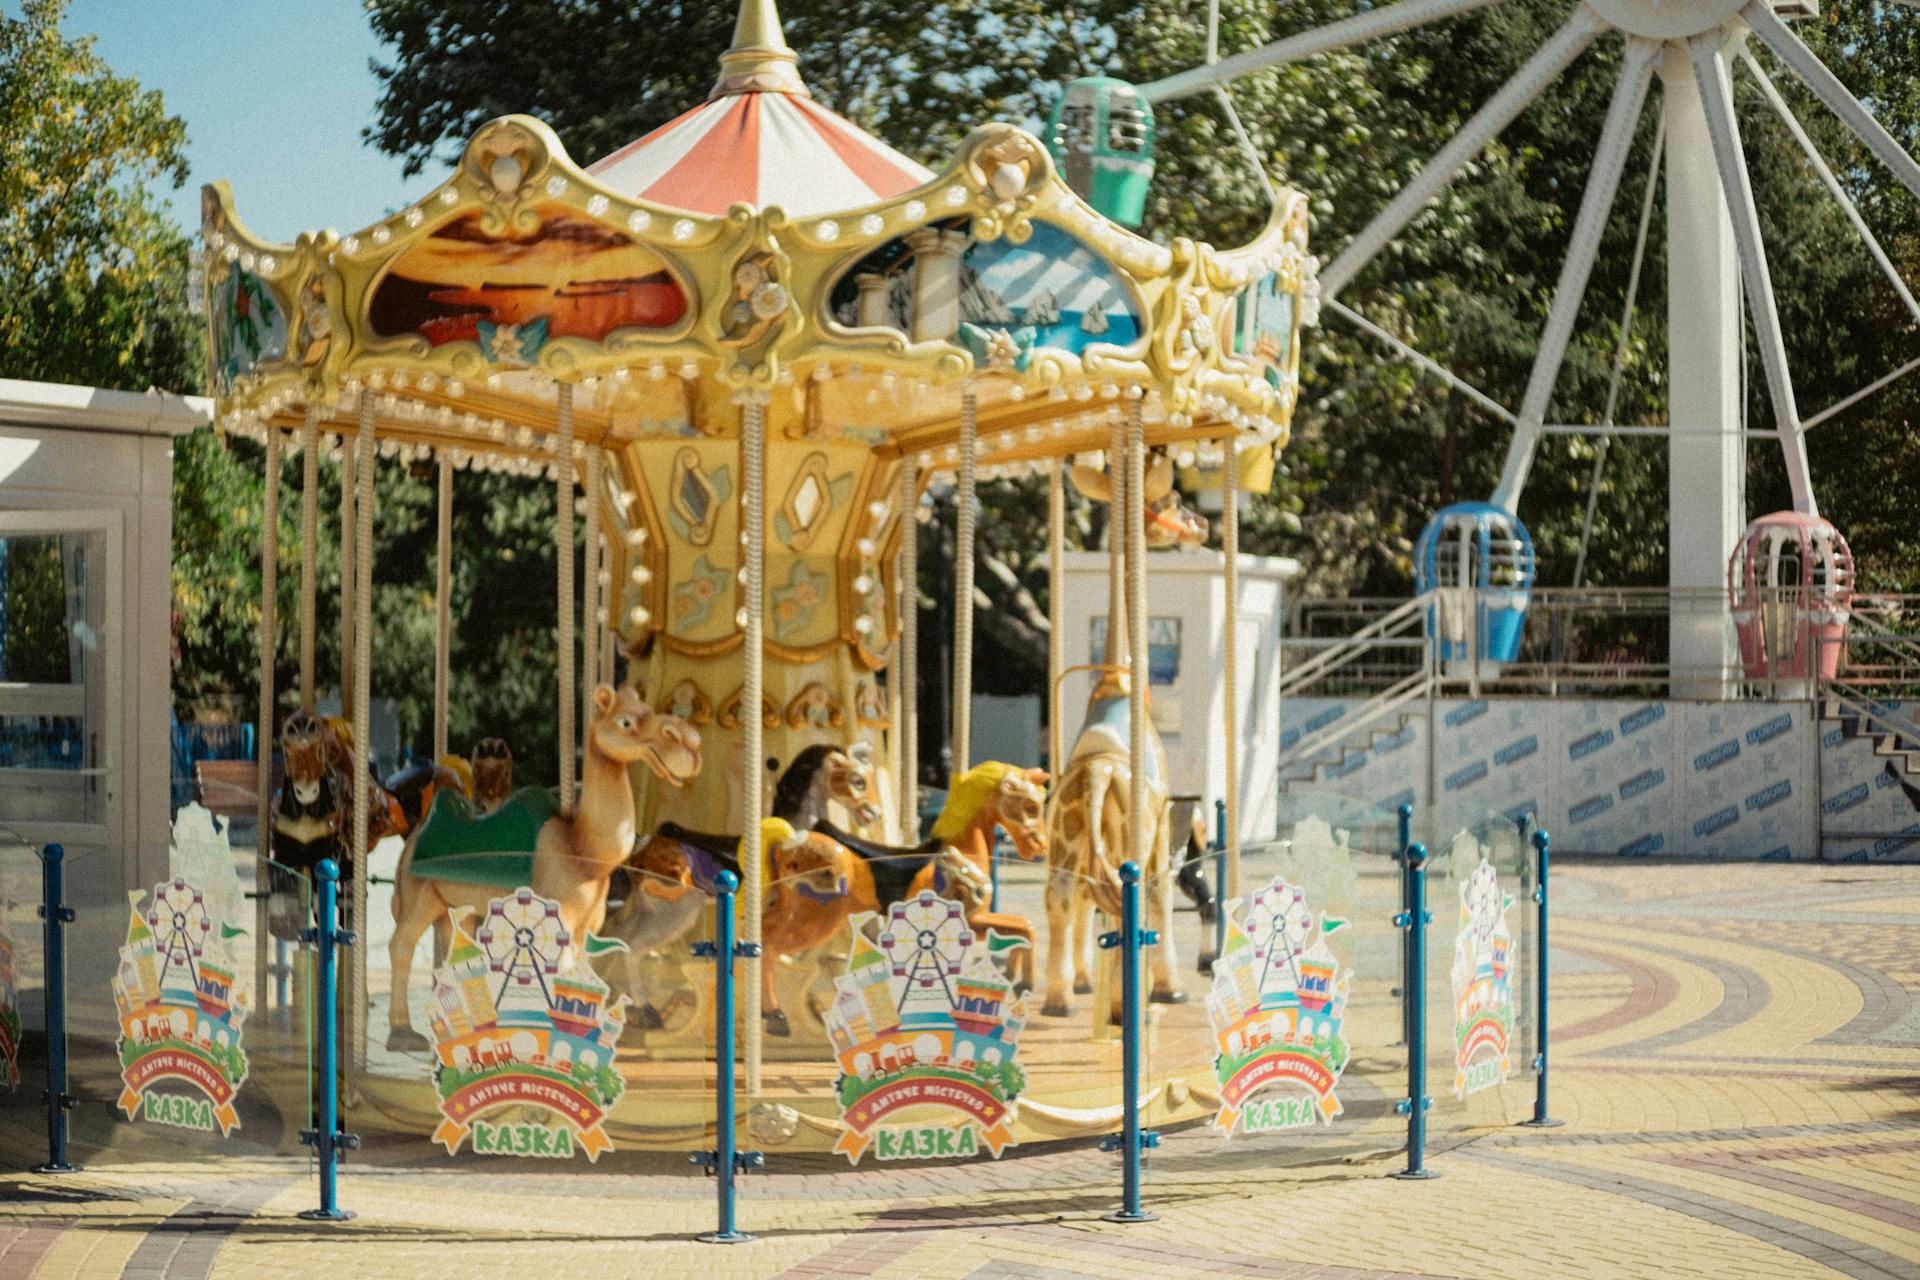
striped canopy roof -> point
(760, 140)
(763, 148)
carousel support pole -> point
(349, 490)
(326, 1137)
(725, 1160)
(563, 561)
(364, 473)
(443, 606)
(1220, 898)
(1415, 920)
(1134, 515)
(590, 628)
(1540, 1118)
(58, 915)
(1230, 639)
(1131, 1140)
(753, 516)
(263, 735)
(309, 531)
(1056, 610)
(964, 496)
(906, 670)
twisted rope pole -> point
(443, 607)
(1056, 609)
(905, 680)
(963, 537)
(590, 626)
(362, 713)
(309, 534)
(1230, 640)
(753, 465)
(564, 586)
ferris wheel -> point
(1278, 922)
(525, 942)
(1715, 250)
(180, 926)
(926, 941)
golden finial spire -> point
(759, 61)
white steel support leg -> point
(1706, 496)
(1710, 67)
(1596, 204)
(1552, 57)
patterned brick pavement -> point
(1737, 1059)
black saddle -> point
(894, 866)
(716, 852)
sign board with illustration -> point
(524, 1036)
(180, 1011)
(926, 1028)
(1483, 970)
(1277, 1006)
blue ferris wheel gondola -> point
(1478, 560)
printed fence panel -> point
(1479, 1024)
(23, 1048)
(186, 999)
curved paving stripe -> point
(1816, 1244)
(1666, 994)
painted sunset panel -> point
(1052, 285)
(569, 277)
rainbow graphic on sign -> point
(1483, 972)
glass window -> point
(53, 748)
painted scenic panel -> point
(1053, 285)
(568, 277)
(249, 324)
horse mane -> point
(969, 792)
(794, 783)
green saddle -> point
(496, 850)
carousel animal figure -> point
(1190, 875)
(989, 797)
(308, 818)
(492, 775)
(457, 861)
(816, 883)
(1090, 826)
(385, 814)
(659, 904)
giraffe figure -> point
(1089, 823)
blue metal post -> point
(1131, 1140)
(58, 915)
(1219, 876)
(1406, 878)
(724, 1161)
(1540, 1118)
(325, 1137)
(1414, 1106)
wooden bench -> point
(227, 788)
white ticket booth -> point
(86, 482)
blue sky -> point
(274, 94)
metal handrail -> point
(1376, 708)
(1357, 644)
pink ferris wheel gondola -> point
(1790, 584)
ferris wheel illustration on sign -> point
(1714, 253)
(1278, 924)
(525, 943)
(180, 927)
(926, 940)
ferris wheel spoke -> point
(1596, 205)
(1825, 171)
(1716, 96)
(1827, 87)
(1552, 57)
(1360, 28)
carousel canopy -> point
(760, 140)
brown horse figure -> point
(457, 861)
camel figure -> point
(1090, 827)
(455, 862)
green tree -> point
(1377, 445)
(92, 275)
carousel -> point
(746, 349)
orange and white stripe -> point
(762, 149)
